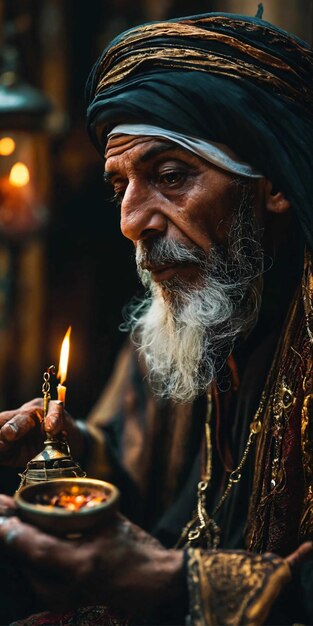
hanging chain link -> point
(46, 389)
(202, 529)
(235, 475)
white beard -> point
(185, 333)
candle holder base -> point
(55, 461)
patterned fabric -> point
(226, 78)
(231, 588)
(283, 469)
(87, 616)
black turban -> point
(227, 78)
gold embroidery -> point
(189, 59)
(307, 292)
(306, 525)
(293, 360)
(132, 51)
(283, 400)
(233, 588)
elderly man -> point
(205, 124)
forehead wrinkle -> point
(148, 155)
(165, 146)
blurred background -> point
(62, 259)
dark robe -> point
(155, 449)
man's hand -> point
(118, 565)
(22, 435)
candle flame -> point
(65, 349)
(19, 174)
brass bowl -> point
(60, 521)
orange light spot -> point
(7, 146)
(19, 175)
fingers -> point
(9, 528)
(5, 416)
(18, 426)
(54, 422)
(31, 406)
(6, 501)
(49, 564)
(31, 544)
(299, 556)
(14, 425)
(7, 506)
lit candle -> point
(62, 372)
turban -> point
(224, 78)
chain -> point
(46, 390)
(235, 475)
(202, 528)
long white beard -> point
(185, 333)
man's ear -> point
(275, 201)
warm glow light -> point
(7, 146)
(65, 349)
(19, 175)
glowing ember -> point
(73, 499)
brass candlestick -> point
(55, 460)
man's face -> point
(197, 235)
(167, 192)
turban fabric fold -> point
(225, 78)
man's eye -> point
(116, 190)
(172, 178)
(118, 195)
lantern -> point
(24, 191)
(23, 151)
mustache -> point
(163, 252)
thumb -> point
(55, 418)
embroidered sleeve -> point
(232, 588)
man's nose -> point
(141, 213)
